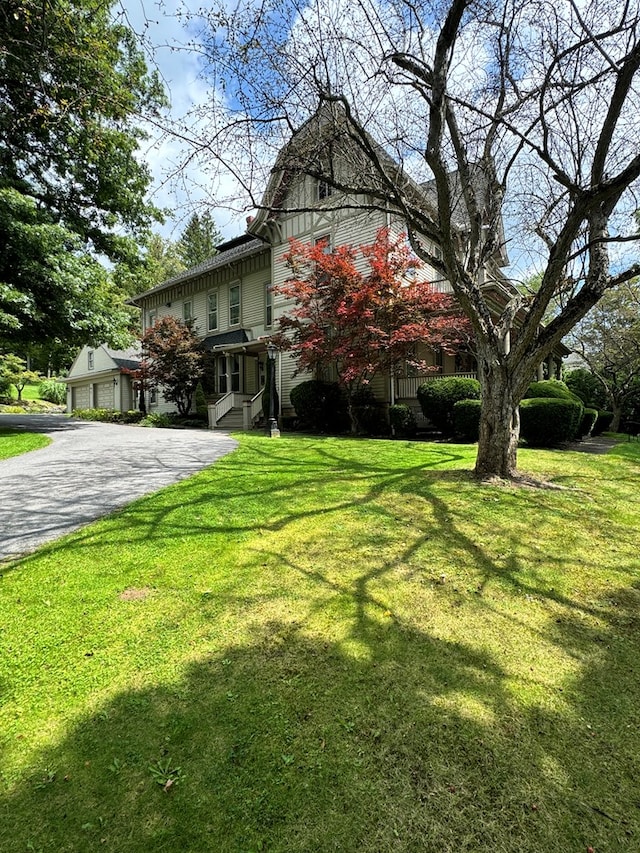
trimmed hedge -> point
(589, 418)
(603, 422)
(402, 420)
(466, 419)
(548, 421)
(557, 390)
(320, 406)
(438, 397)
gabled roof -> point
(229, 252)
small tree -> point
(14, 371)
(175, 361)
(358, 324)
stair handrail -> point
(222, 406)
(256, 405)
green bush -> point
(320, 406)
(5, 387)
(438, 397)
(53, 391)
(368, 414)
(557, 390)
(589, 417)
(402, 420)
(201, 402)
(603, 422)
(106, 415)
(133, 416)
(156, 419)
(548, 421)
(466, 419)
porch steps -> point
(232, 421)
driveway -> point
(88, 471)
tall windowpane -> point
(212, 311)
(268, 299)
(234, 305)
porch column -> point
(541, 371)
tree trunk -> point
(499, 425)
(617, 416)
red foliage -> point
(363, 323)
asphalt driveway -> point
(88, 471)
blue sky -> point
(175, 186)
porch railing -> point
(407, 387)
(220, 408)
(251, 410)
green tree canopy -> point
(73, 85)
(51, 289)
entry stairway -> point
(235, 411)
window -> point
(234, 305)
(90, 360)
(151, 318)
(212, 311)
(268, 304)
(153, 396)
(187, 311)
(325, 241)
(324, 190)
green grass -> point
(13, 442)
(327, 645)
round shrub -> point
(548, 421)
(557, 390)
(402, 420)
(320, 406)
(53, 391)
(438, 397)
(589, 417)
(603, 422)
(466, 419)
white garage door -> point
(103, 395)
(80, 397)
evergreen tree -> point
(199, 240)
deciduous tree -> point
(174, 361)
(73, 88)
(358, 324)
(608, 340)
(527, 109)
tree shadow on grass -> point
(288, 743)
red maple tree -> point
(356, 323)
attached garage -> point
(103, 395)
(100, 378)
(80, 397)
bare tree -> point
(500, 111)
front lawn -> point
(13, 442)
(332, 644)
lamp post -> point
(274, 432)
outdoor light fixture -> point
(115, 380)
(273, 430)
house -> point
(231, 300)
(98, 379)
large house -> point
(230, 297)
